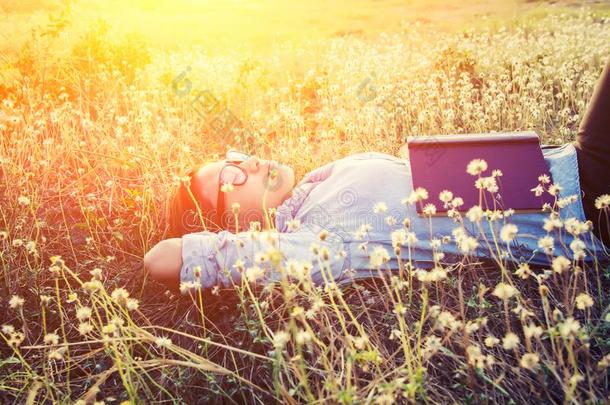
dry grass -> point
(95, 139)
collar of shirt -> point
(288, 209)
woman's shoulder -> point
(371, 155)
(324, 171)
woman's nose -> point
(253, 164)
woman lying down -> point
(244, 218)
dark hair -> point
(187, 213)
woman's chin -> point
(289, 176)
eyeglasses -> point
(233, 174)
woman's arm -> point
(223, 256)
(173, 261)
(164, 260)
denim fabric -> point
(339, 197)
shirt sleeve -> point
(223, 256)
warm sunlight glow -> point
(304, 201)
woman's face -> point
(250, 194)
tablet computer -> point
(439, 162)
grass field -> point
(98, 126)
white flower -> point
(446, 319)
(544, 179)
(235, 207)
(510, 341)
(505, 291)
(399, 238)
(303, 337)
(554, 189)
(575, 227)
(560, 264)
(457, 202)
(360, 342)
(552, 222)
(429, 209)
(602, 202)
(23, 200)
(31, 246)
(532, 331)
(92, 286)
(538, 190)
(523, 271)
(163, 342)
(57, 354)
(362, 231)
(85, 328)
(476, 167)
(280, 339)
(51, 339)
(254, 273)
(390, 220)
(491, 341)
(529, 361)
(547, 243)
(227, 187)
(564, 202)
(487, 183)
(109, 329)
(508, 232)
(419, 194)
(133, 304)
(445, 196)
(379, 256)
(432, 345)
(380, 207)
(475, 356)
(467, 244)
(434, 275)
(569, 327)
(578, 247)
(83, 313)
(411, 238)
(584, 301)
(16, 302)
(120, 296)
(475, 214)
